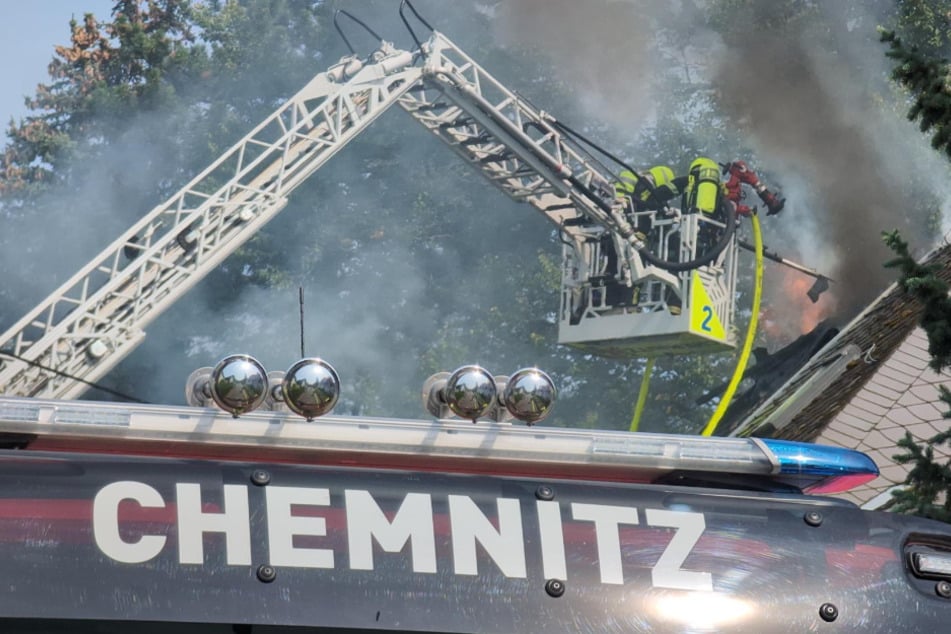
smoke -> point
(806, 93)
(819, 117)
(800, 122)
(382, 240)
(599, 48)
(349, 320)
(44, 244)
(385, 273)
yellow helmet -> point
(625, 186)
(657, 176)
(661, 175)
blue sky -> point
(28, 32)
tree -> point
(928, 81)
(928, 483)
(109, 73)
(925, 22)
(927, 490)
(83, 158)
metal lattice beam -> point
(94, 319)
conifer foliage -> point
(927, 490)
(924, 285)
(928, 482)
(107, 74)
(928, 81)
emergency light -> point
(455, 446)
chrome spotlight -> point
(470, 392)
(311, 388)
(529, 395)
(238, 384)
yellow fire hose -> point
(642, 395)
(750, 335)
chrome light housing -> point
(470, 392)
(311, 388)
(238, 384)
(529, 395)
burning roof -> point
(806, 403)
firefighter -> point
(651, 190)
(648, 192)
(701, 188)
(705, 194)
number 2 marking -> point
(705, 324)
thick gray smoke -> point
(817, 112)
(800, 107)
(376, 300)
(600, 49)
(810, 122)
(774, 89)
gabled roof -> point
(865, 387)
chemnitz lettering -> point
(412, 523)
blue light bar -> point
(451, 446)
(821, 468)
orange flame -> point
(789, 313)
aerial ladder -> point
(98, 316)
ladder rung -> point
(496, 158)
(578, 221)
(482, 139)
(458, 123)
(429, 107)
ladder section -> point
(614, 302)
(519, 150)
(96, 318)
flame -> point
(789, 313)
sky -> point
(28, 33)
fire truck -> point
(254, 509)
